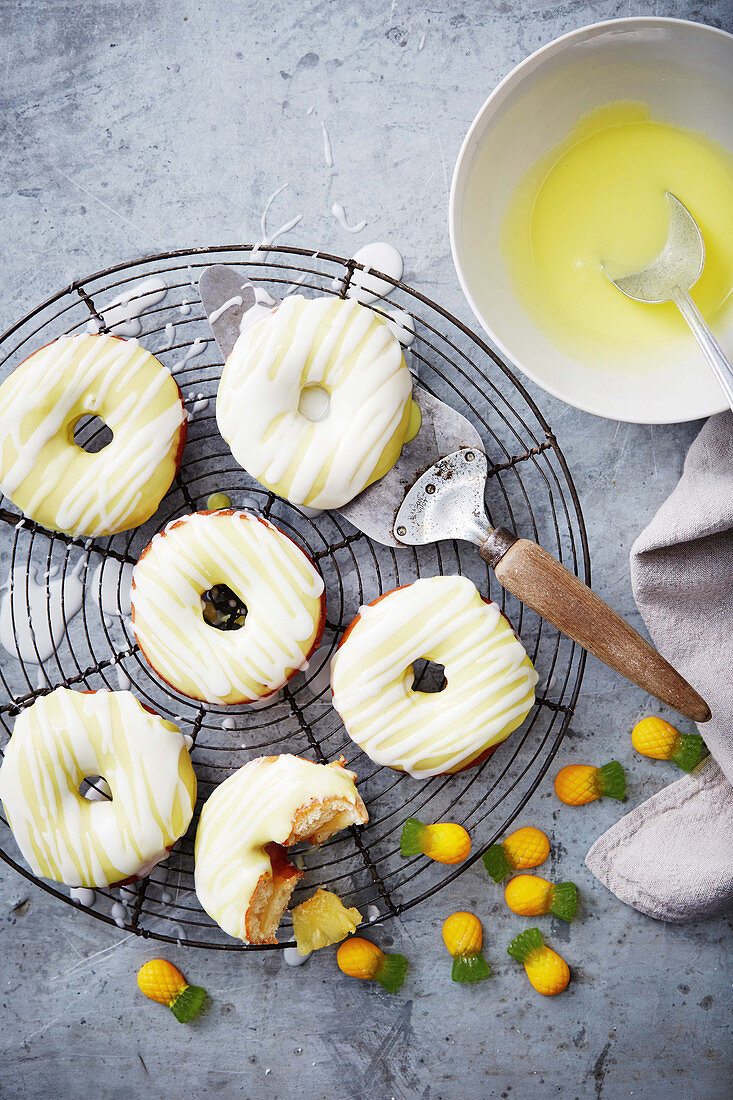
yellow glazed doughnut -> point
(243, 879)
(68, 736)
(490, 678)
(56, 482)
(275, 580)
(307, 346)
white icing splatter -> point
(110, 579)
(310, 110)
(264, 304)
(228, 724)
(197, 347)
(421, 43)
(83, 895)
(340, 215)
(402, 325)
(200, 405)
(118, 913)
(43, 615)
(185, 308)
(292, 957)
(373, 912)
(365, 287)
(217, 313)
(122, 316)
(267, 239)
(124, 683)
(327, 153)
(170, 336)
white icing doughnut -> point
(68, 736)
(490, 678)
(275, 580)
(329, 344)
(51, 478)
(242, 878)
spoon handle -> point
(711, 349)
(544, 584)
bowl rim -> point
(589, 30)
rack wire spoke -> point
(529, 488)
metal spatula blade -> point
(435, 491)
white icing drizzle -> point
(310, 110)
(280, 587)
(217, 313)
(292, 957)
(118, 913)
(402, 324)
(490, 680)
(33, 623)
(324, 342)
(113, 579)
(83, 895)
(380, 256)
(340, 215)
(197, 348)
(64, 487)
(372, 912)
(68, 735)
(421, 43)
(263, 305)
(327, 152)
(267, 239)
(122, 316)
(170, 336)
(123, 680)
(250, 809)
(185, 308)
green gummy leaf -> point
(612, 780)
(411, 841)
(525, 944)
(391, 973)
(496, 862)
(564, 900)
(470, 968)
(689, 751)
(188, 1003)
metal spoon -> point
(670, 278)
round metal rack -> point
(530, 490)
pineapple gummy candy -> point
(547, 972)
(162, 982)
(527, 847)
(443, 842)
(358, 958)
(532, 896)
(463, 936)
(577, 784)
(658, 739)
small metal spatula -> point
(436, 491)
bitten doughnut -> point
(68, 736)
(268, 409)
(243, 879)
(59, 484)
(490, 678)
(278, 584)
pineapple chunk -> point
(321, 921)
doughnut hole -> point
(222, 608)
(314, 403)
(429, 677)
(91, 433)
(95, 788)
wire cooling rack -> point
(529, 490)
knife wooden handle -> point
(541, 582)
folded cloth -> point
(672, 857)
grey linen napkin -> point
(672, 857)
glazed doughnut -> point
(67, 736)
(490, 678)
(275, 580)
(243, 879)
(303, 347)
(52, 479)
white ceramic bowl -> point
(684, 71)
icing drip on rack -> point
(33, 620)
(122, 316)
(340, 215)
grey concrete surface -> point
(131, 127)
